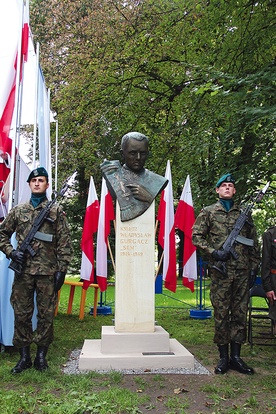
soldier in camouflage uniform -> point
(44, 273)
(269, 270)
(229, 293)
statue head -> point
(134, 150)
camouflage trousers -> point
(25, 290)
(230, 296)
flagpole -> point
(24, 57)
(48, 146)
(156, 227)
(159, 264)
(56, 157)
(111, 254)
(17, 139)
(35, 105)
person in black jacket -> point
(268, 272)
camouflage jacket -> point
(211, 229)
(269, 259)
(51, 256)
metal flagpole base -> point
(101, 310)
(200, 313)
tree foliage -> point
(197, 77)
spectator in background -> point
(268, 272)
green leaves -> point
(197, 77)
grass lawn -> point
(59, 393)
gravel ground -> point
(72, 367)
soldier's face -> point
(38, 185)
(226, 190)
(135, 154)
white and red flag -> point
(106, 215)
(166, 236)
(184, 220)
(90, 226)
(14, 34)
(15, 21)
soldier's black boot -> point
(25, 361)
(223, 364)
(40, 362)
(236, 362)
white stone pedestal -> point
(134, 342)
(134, 286)
(145, 351)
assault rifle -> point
(39, 220)
(234, 237)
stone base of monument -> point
(131, 350)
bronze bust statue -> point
(131, 184)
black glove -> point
(221, 255)
(17, 256)
(59, 280)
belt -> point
(273, 271)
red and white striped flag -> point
(89, 228)
(106, 215)
(184, 220)
(166, 236)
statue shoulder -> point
(155, 182)
(109, 167)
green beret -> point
(226, 178)
(38, 172)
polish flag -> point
(15, 21)
(106, 215)
(89, 228)
(184, 220)
(166, 236)
(10, 23)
